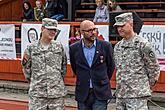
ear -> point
(81, 32)
(131, 23)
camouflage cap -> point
(49, 23)
(122, 19)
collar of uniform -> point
(41, 46)
(129, 43)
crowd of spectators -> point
(55, 9)
(58, 9)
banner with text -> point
(156, 35)
(7, 41)
(31, 33)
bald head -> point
(86, 24)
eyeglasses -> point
(53, 30)
(91, 30)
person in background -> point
(64, 6)
(54, 9)
(102, 13)
(112, 6)
(76, 4)
(92, 62)
(28, 13)
(39, 11)
(136, 65)
(44, 66)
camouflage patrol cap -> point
(49, 23)
(122, 19)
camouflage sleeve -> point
(64, 63)
(151, 63)
(26, 64)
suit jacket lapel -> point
(82, 53)
(97, 51)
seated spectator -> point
(64, 6)
(102, 13)
(54, 9)
(28, 14)
(76, 5)
(39, 11)
(112, 6)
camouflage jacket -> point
(45, 69)
(136, 66)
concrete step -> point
(17, 91)
(19, 105)
(23, 87)
(13, 101)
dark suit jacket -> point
(100, 72)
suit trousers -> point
(92, 103)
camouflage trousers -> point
(131, 104)
(36, 103)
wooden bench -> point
(144, 10)
(153, 19)
(85, 11)
(140, 3)
(140, 8)
(132, 10)
(128, 3)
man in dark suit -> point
(92, 62)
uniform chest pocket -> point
(135, 56)
(37, 61)
(135, 53)
(54, 58)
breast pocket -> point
(55, 59)
(135, 57)
(37, 61)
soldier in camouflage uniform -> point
(44, 65)
(136, 65)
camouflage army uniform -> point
(45, 69)
(137, 68)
